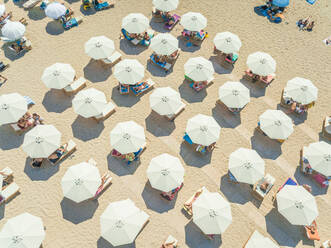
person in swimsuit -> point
(55, 156)
(37, 162)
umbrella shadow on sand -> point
(158, 26)
(255, 90)
(78, 212)
(189, 94)
(36, 14)
(194, 238)
(224, 117)
(120, 167)
(86, 129)
(124, 100)
(102, 243)
(193, 158)
(220, 66)
(154, 201)
(11, 55)
(128, 48)
(9, 139)
(296, 118)
(54, 28)
(157, 71)
(265, 147)
(56, 101)
(281, 230)
(40, 174)
(95, 73)
(186, 46)
(158, 125)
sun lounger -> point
(290, 181)
(135, 157)
(113, 59)
(192, 198)
(201, 86)
(157, 15)
(69, 150)
(176, 19)
(9, 192)
(312, 235)
(231, 178)
(103, 5)
(164, 65)
(19, 130)
(170, 240)
(29, 101)
(326, 129)
(258, 192)
(233, 60)
(326, 244)
(180, 109)
(124, 90)
(6, 177)
(268, 79)
(103, 187)
(170, 196)
(142, 87)
(108, 110)
(75, 86)
(73, 22)
(187, 139)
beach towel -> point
(311, 1)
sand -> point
(67, 225)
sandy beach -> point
(297, 53)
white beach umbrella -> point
(99, 47)
(127, 137)
(81, 182)
(227, 42)
(89, 102)
(164, 44)
(297, 205)
(211, 213)
(261, 63)
(58, 76)
(166, 5)
(165, 101)
(12, 107)
(121, 222)
(246, 165)
(55, 10)
(301, 90)
(276, 124)
(199, 69)
(135, 23)
(41, 141)
(203, 129)
(129, 71)
(165, 172)
(22, 231)
(319, 156)
(234, 94)
(13, 30)
(193, 21)
(2, 9)
(257, 240)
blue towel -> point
(187, 139)
(311, 1)
(29, 101)
(125, 34)
(188, 44)
(290, 181)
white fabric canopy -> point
(129, 71)
(301, 90)
(3, 9)
(41, 141)
(246, 165)
(193, 21)
(135, 23)
(12, 107)
(234, 94)
(203, 129)
(227, 42)
(13, 30)
(276, 124)
(318, 155)
(211, 213)
(81, 182)
(55, 10)
(257, 240)
(164, 44)
(165, 172)
(121, 222)
(22, 231)
(58, 76)
(261, 63)
(127, 137)
(166, 5)
(99, 47)
(89, 102)
(297, 205)
(165, 101)
(199, 69)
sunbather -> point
(264, 186)
(169, 245)
(25, 121)
(37, 119)
(310, 26)
(199, 85)
(55, 156)
(37, 162)
(302, 23)
(298, 108)
(103, 181)
(189, 204)
(312, 232)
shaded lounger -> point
(69, 150)
(176, 19)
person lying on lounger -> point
(169, 18)
(310, 26)
(169, 245)
(55, 156)
(298, 108)
(196, 195)
(37, 119)
(37, 162)
(25, 121)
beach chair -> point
(102, 188)
(69, 150)
(108, 111)
(18, 130)
(289, 181)
(157, 15)
(267, 79)
(29, 101)
(3, 66)
(197, 40)
(113, 59)
(7, 177)
(231, 178)
(180, 110)
(258, 192)
(75, 86)
(9, 192)
(176, 19)
(164, 65)
(248, 74)
(2, 80)
(170, 240)
(124, 90)
(232, 60)
(73, 22)
(8, 17)
(326, 244)
(326, 129)
(125, 34)
(23, 21)
(102, 5)
(137, 154)
(171, 195)
(192, 199)
(312, 234)
(142, 87)
(201, 85)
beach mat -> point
(311, 1)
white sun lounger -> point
(9, 192)
(180, 109)
(108, 110)
(105, 185)
(76, 86)
(30, 4)
(70, 149)
(113, 59)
